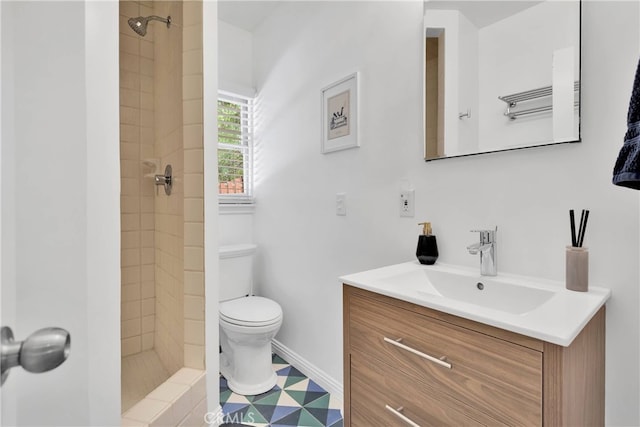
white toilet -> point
(247, 324)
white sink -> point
(534, 307)
(483, 291)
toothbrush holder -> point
(577, 269)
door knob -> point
(42, 351)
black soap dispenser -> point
(427, 251)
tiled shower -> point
(162, 286)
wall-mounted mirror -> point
(500, 75)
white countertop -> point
(558, 320)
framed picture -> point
(340, 115)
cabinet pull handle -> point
(440, 361)
(404, 418)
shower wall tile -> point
(131, 345)
(146, 49)
(194, 210)
(146, 101)
(192, 87)
(148, 306)
(131, 310)
(129, 149)
(130, 222)
(194, 234)
(128, 204)
(147, 256)
(129, 133)
(130, 275)
(131, 292)
(194, 307)
(192, 14)
(129, 80)
(192, 61)
(147, 67)
(193, 186)
(129, 62)
(162, 237)
(193, 136)
(146, 136)
(123, 25)
(129, 168)
(129, 43)
(128, 9)
(148, 323)
(147, 221)
(193, 161)
(130, 239)
(193, 37)
(147, 341)
(129, 116)
(129, 98)
(146, 84)
(193, 111)
(147, 273)
(147, 206)
(146, 10)
(193, 283)
(194, 332)
(148, 290)
(136, 143)
(193, 258)
(129, 187)
(194, 356)
(130, 328)
(130, 257)
(169, 217)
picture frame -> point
(340, 115)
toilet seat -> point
(250, 311)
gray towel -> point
(626, 172)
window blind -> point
(235, 148)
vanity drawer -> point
(499, 378)
(375, 385)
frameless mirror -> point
(500, 75)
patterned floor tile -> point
(294, 401)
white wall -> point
(235, 70)
(103, 211)
(235, 65)
(527, 193)
(60, 125)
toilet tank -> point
(236, 270)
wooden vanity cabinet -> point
(404, 363)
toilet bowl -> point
(247, 325)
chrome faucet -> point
(486, 247)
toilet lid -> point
(252, 310)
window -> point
(235, 148)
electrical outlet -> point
(341, 204)
(407, 203)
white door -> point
(59, 195)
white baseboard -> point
(309, 369)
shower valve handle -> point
(166, 180)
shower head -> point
(139, 24)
